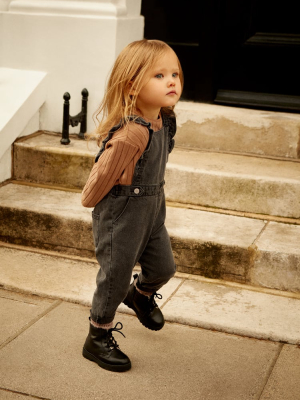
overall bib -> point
(129, 226)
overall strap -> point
(137, 119)
(169, 122)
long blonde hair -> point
(128, 71)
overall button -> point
(136, 191)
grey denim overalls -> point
(129, 226)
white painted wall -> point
(73, 42)
(76, 50)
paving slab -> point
(284, 382)
(57, 277)
(277, 259)
(7, 395)
(178, 362)
(17, 311)
(234, 182)
(235, 310)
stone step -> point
(238, 130)
(51, 162)
(186, 299)
(229, 181)
(234, 182)
(233, 248)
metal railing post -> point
(76, 119)
(66, 119)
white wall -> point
(73, 42)
(77, 51)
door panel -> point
(232, 52)
(260, 42)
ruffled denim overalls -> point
(129, 226)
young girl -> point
(126, 188)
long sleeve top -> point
(117, 163)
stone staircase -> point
(232, 189)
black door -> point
(241, 53)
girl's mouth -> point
(172, 92)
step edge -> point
(188, 206)
(180, 275)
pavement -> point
(221, 340)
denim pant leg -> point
(119, 237)
(157, 261)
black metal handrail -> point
(76, 119)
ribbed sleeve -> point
(116, 164)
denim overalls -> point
(129, 226)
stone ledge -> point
(232, 182)
(208, 304)
(220, 128)
(213, 245)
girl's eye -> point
(175, 74)
(159, 76)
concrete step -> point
(51, 162)
(186, 299)
(239, 130)
(234, 248)
(233, 182)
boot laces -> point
(111, 341)
(152, 300)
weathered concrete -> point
(277, 258)
(284, 382)
(213, 245)
(235, 310)
(234, 182)
(49, 219)
(58, 277)
(7, 395)
(209, 304)
(211, 127)
(18, 310)
(178, 362)
(52, 162)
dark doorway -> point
(241, 53)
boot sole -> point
(152, 328)
(109, 367)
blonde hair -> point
(129, 69)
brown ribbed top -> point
(117, 163)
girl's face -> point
(162, 86)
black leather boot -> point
(101, 347)
(145, 308)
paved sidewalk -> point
(213, 347)
(41, 345)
